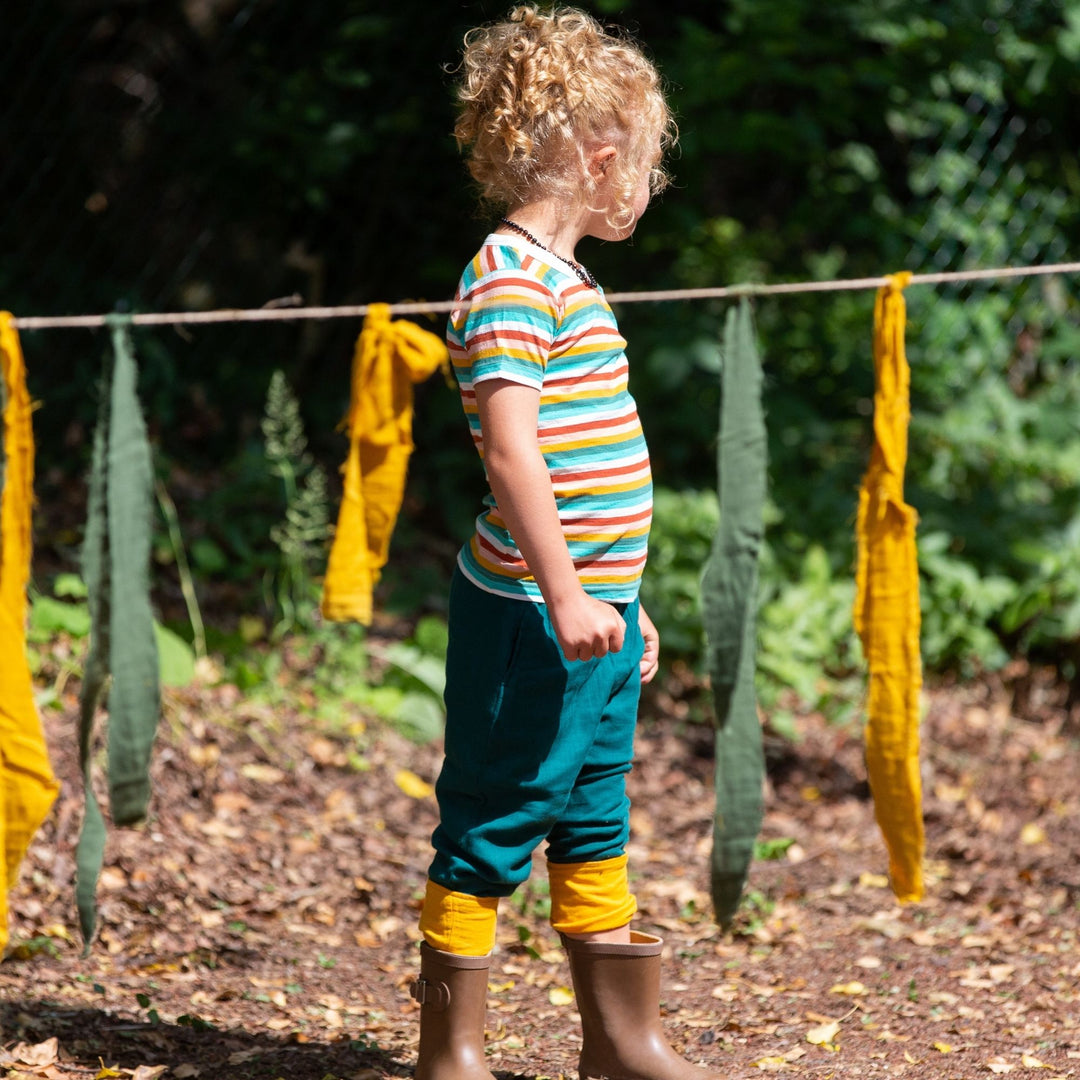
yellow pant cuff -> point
(589, 897)
(458, 923)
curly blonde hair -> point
(541, 89)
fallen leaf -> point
(231, 802)
(873, 881)
(944, 1047)
(261, 774)
(851, 989)
(39, 1055)
(560, 995)
(186, 1072)
(204, 756)
(1032, 834)
(776, 1062)
(113, 879)
(413, 785)
(149, 1072)
(823, 1033)
(950, 793)
(384, 927)
(942, 997)
(996, 1065)
(323, 752)
(106, 1073)
(56, 930)
(1030, 1062)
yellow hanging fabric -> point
(887, 604)
(389, 358)
(29, 787)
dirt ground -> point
(262, 924)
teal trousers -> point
(537, 746)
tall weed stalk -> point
(302, 534)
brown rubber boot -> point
(452, 991)
(618, 995)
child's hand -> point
(650, 660)
(587, 627)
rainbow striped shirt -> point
(533, 322)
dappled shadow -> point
(834, 769)
(89, 1037)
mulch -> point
(262, 923)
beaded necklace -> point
(586, 277)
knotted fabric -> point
(729, 591)
(389, 358)
(28, 785)
(886, 611)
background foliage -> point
(227, 152)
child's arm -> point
(586, 627)
(650, 659)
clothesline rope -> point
(283, 314)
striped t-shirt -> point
(532, 321)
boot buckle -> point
(425, 992)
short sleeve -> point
(510, 328)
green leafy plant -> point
(771, 850)
(959, 607)
(807, 650)
(411, 688)
(197, 1023)
(806, 641)
(66, 612)
(39, 945)
(684, 523)
(145, 1002)
(533, 899)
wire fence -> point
(984, 207)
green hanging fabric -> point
(729, 589)
(90, 849)
(116, 568)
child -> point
(548, 643)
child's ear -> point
(600, 162)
